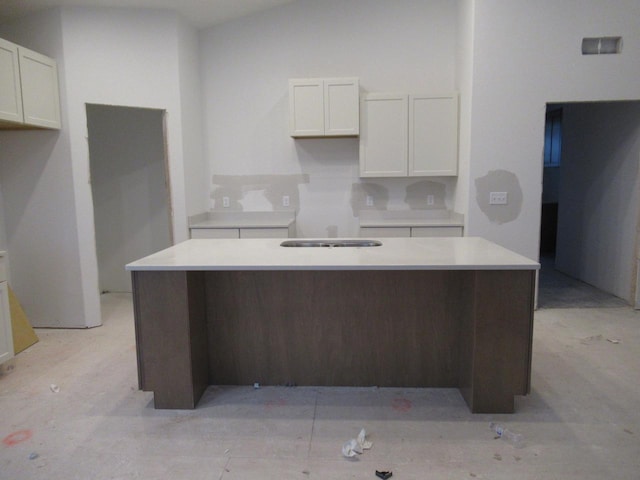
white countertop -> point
(451, 253)
(410, 218)
(242, 220)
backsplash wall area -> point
(246, 65)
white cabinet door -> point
(264, 233)
(10, 92)
(6, 335)
(40, 96)
(436, 231)
(383, 135)
(341, 104)
(385, 232)
(306, 107)
(324, 107)
(433, 135)
(215, 233)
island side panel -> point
(359, 328)
(496, 361)
(170, 321)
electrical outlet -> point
(430, 200)
(498, 198)
(225, 202)
(369, 201)
(285, 200)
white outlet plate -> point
(369, 201)
(430, 200)
(285, 200)
(225, 202)
(498, 198)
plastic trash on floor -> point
(356, 446)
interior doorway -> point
(590, 205)
(129, 183)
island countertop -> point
(450, 253)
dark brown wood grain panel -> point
(171, 336)
(385, 328)
(502, 333)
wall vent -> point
(601, 45)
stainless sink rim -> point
(331, 243)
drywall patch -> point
(257, 192)
(378, 194)
(426, 195)
(499, 181)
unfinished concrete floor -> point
(582, 420)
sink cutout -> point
(331, 243)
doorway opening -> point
(590, 205)
(129, 183)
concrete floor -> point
(582, 420)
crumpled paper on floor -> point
(356, 446)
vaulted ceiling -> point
(201, 13)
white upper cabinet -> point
(384, 135)
(409, 135)
(433, 135)
(324, 107)
(10, 92)
(29, 94)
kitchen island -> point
(413, 312)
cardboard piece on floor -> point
(23, 334)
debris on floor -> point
(54, 388)
(384, 475)
(590, 340)
(33, 456)
(515, 439)
(613, 340)
(356, 446)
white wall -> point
(106, 56)
(196, 171)
(526, 54)
(464, 85)
(39, 201)
(128, 182)
(401, 46)
(599, 195)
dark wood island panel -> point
(389, 328)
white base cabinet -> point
(386, 232)
(277, 232)
(324, 107)
(6, 334)
(405, 135)
(29, 96)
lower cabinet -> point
(279, 232)
(386, 232)
(6, 335)
(436, 231)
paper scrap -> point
(356, 446)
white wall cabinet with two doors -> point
(324, 107)
(405, 135)
(29, 96)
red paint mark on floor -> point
(401, 405)
(17, 437)
(271, 404)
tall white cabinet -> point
(29, 96)
(324, 107)
(406, 135)
(6, 334)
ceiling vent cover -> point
(601, 45)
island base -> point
(470, 329)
